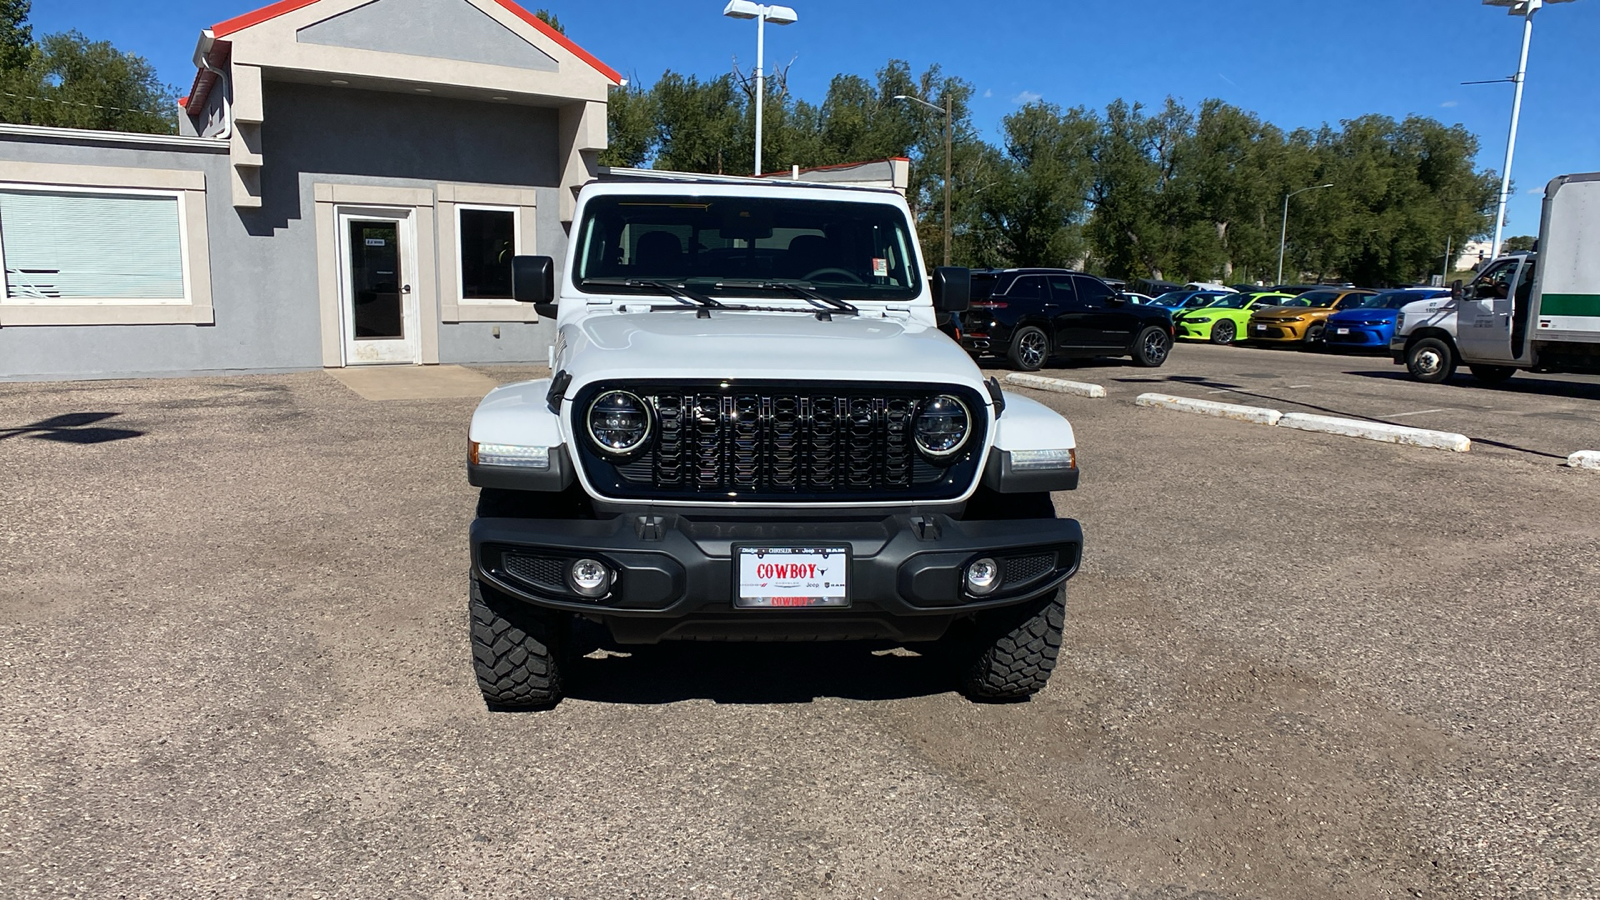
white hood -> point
(768, 346)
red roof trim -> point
(561, 39)
(239, 23)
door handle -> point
(405, 288)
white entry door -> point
(377, 265)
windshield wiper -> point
(797, 288)
(665, 287)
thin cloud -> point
(1026, 97)
(987, 94)
(1227, 79)
(1449, 104)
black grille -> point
(784, 442)
(537, 571)
(1023, 569)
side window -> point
(1092, 291)
(1496, 282)
(1030, 288)
(1061, 288)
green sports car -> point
(1224, 321)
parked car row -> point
(1338, 317)
(1028, 317)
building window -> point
(92, 247)
(486, 241)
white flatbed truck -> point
(1534, 311)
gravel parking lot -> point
(233, 656)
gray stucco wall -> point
(264, 261)
(442, 29)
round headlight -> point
(942, 426)
(619, 422)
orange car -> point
(1302, 319)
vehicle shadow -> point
(753, 673)
(72, 428)
(1519, 384)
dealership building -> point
(349, 183)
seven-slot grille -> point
(823, 442)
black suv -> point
(1028, 316)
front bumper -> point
(675, 573)
(1366, 336)
(1193, 331)
(1278, 331)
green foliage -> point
(69, 81)
(549, 18)
(16, 37)
(1520, 242)
(1175, 192)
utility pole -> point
(949, 118)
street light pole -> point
(778, 15)
(949, 141)
(1525, 9)
(1283, 236)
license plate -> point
(1261, 328)
(1341, 331)
(792, 578)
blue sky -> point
(1294, 63)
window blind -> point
(82, 246)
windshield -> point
(1312, 298)
(1171, 298)
(1395, 299)
(728, 245)
(1234, 301)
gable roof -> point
(282, 7)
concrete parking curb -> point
(1256, 414)
(1585, 459)
(1378, 431)
(1060, 386)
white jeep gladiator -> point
(754, 430)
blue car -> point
(1370, 325)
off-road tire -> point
(1030, 348)
(1431, 360)
(516, 651)
(1151, 348)
(1492, 374)
(1009, 653)
(1224, 332)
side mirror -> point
(1455, 290)
(1117, 299)
(533, 280)
(952, 289)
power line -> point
(147, 112)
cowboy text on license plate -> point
(792, 577)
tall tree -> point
(549, 18)
(73, 82)
(16, 36)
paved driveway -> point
(234, 662)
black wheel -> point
(1315, 333)
(1492, 374)
(1151, 348)
(1030, 347)
(1224, 332)
(1008, 654)
(1430, 360)
(516, 651)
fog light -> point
(983, 577)
(589, 578)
